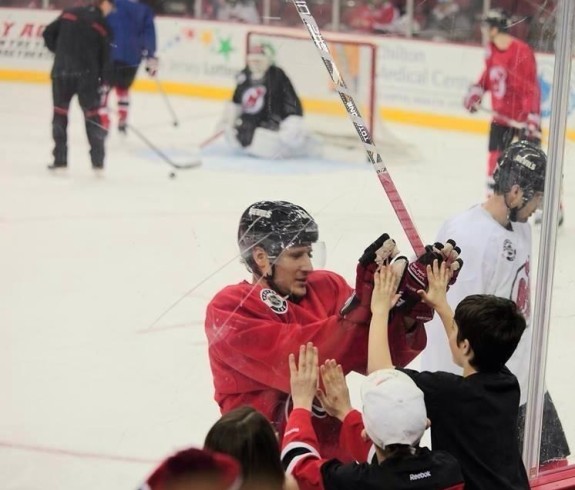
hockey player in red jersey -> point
(252, 327)
(265, 116)
(510, 75)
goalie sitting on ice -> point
(265, 117)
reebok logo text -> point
(420, 476)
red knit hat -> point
(196, 462)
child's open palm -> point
(384, 295)
(438, 277)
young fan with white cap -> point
(395, 420)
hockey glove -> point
(152, 64)
(415, 278)
(272, 123)
(358, 307)
(473, 98)
(532, 130)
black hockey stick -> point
(175, 120)
(180, 166)
(361, 128)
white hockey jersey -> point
(496, 261)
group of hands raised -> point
(425, 280)
(407, 282)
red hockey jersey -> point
(251, 331)
(511, 77)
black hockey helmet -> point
(274, 226)
(497, 18)
(524, 164)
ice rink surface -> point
(104, 282)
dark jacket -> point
(80, 39)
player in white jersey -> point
(496, 238)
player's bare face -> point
(291, 271)
(487, 33)
(530, 207)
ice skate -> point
(58, 168)
(98, 171)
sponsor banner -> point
(417, 82)
(21, 42)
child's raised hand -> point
(335, 396)
(304, 376)
(384, 295)
(438, 277)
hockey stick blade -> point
(360, 126)
(180, 166)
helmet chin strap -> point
(512, 214)
(269, 278)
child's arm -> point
(438, 277)
(383, 299)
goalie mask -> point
(274, 226)
(258, 62)
(521, 164)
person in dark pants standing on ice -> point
(80, 40)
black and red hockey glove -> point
(358, 307)
(415, 278)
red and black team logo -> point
(253, 99)
(276, 303)
(520, 290)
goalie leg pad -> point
(266, 144)
(298, 141)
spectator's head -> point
(394, 413)
(275, 240)
(520, 179)
(496, 21)
(246, 435)
(486, 332)
(258, 61)
(195, 469)
(106, 6)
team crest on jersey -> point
(520, 290)
(253, 99)
(509, 250)
(276, 303)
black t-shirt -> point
(427, 470)
(475, 419)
